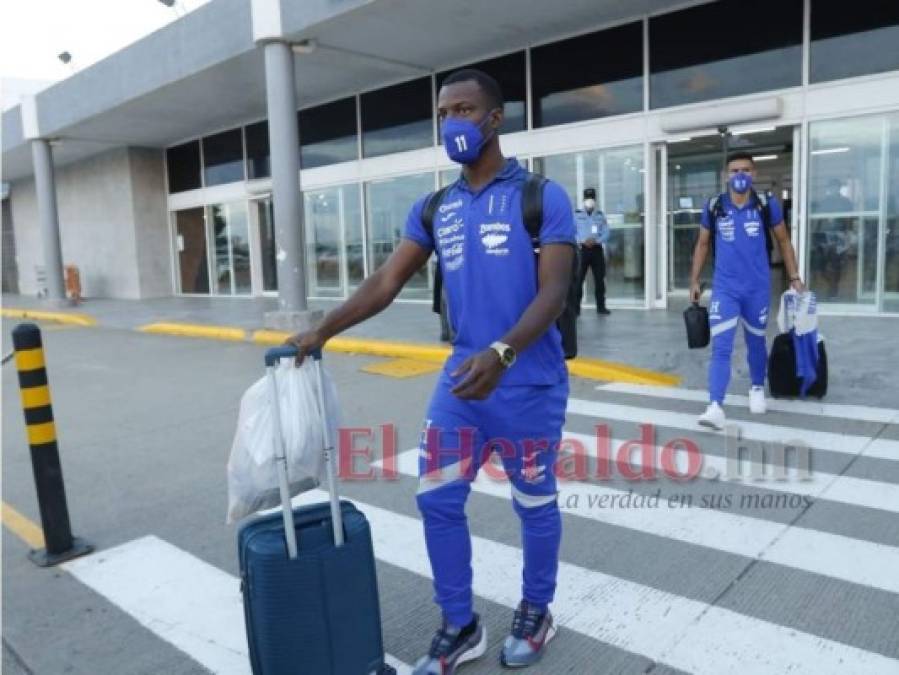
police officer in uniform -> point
(592, 235)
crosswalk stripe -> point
(187, 602)
(832, 555)
(838, 410)
(757, 431)
(182, 599)
(631, 616)
(846, 489)
(882, 448)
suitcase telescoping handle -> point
(272, 359)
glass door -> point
(190, 246)
(230, 243)
(694, 176)
(265, 217)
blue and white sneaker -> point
(451, 647)
(531, 632)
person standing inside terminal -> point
(592, 236)
(505, 386)
(741, 284)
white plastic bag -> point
(797, 311)
(252, 472)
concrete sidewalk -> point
(860, 348)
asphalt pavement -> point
(659, 575)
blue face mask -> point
(741, 182)
(463, 139)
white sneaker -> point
(713, 417)
(757, 403)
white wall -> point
(112, 221)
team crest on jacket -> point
(726, 228)
(752, 227)
(495, 238)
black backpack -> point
(532, 214)
(716, 210)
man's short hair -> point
(739, 154)
(487, 84)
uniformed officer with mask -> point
(592, 235)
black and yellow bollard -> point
(51, 492)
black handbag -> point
(696, 318)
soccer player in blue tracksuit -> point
(741, 285)
(504, 387)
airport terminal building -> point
(163, 171)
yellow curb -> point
(596, 369)
(195, 330)
(401, 368)
(23, 528)
(269, 337)
(40, 315)
(592, 369)
(350, 345)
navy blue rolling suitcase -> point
(310, 593)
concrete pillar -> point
(285, 162)
(284, 146)
(45, 187)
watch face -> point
(508, 357)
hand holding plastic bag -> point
(252, 474)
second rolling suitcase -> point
(782, 379)
(308, 577)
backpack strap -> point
(532, 206)
(427, 222)
(761, 198)
(430, 209)
(715, 210)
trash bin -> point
(73, 283)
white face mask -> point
(589, 204)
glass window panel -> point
(331, 215)
(352, 223)
(576, 79)
(323, 247)
(183, 163)
(258, 155)
(700, 53)
(190, 243)
(230, 241)
(891, 238)
(397, 118)
(328, 133)
(223, 158)
(844, 187)
(617, 174)
(509, 72)
(852, 42)
(267, 244)
(387, 204)
(448, 176)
